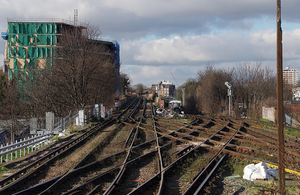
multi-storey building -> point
(32, 43)
(164, 88)
(290, 76)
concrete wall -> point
(269, 113)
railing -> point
(31, 143)
(16, 149)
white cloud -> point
(260, 45)
(190, 49)
(146, 8)
(149, 75)
(162, 35)
(291, 48)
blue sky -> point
(159, 37)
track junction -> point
(138, 152)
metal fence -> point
(45, 127)
(22, 147)
(61, 124)
(51, 124)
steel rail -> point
(161, 166)
(70, 173)
(197, 181)
(126, 109)
(155, 177)
(123, 168)
(286, 139)
(47, 157)
(56, 155)
(209, 175)
(256, 159)
(95, 164)
(142, 187)
(96, 189)
(37, 188)
(95, 149)
(133, 112)
(273, 136)
(244, 137)
(51, 156)
(82, 170)
(106, 139)
(129, 136)
(160, 175)
(83, 189)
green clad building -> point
(31, 44)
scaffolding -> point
(30, 44)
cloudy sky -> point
(159, 37)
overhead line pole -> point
(281, 175)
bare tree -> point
(191, 101)
(255, 86)
(81, 73)
(211, 91)
(139, 88)
(12, 109)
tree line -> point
(253, 86)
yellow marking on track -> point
(275, 166)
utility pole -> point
(281, 175)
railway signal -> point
(229, 86)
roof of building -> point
(164, 82)
(46, 20)
(288, 69)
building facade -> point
(164, 88)
(290, 76)
(31, 44)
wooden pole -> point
(281, 175)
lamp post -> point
(229, 86)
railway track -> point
(34, 172)
(142, 153)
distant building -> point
(290, 76)
(164, 88)
(33, 43)
(296, 93)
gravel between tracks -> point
(229, 186)
(70, 161)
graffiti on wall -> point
(269, 113)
